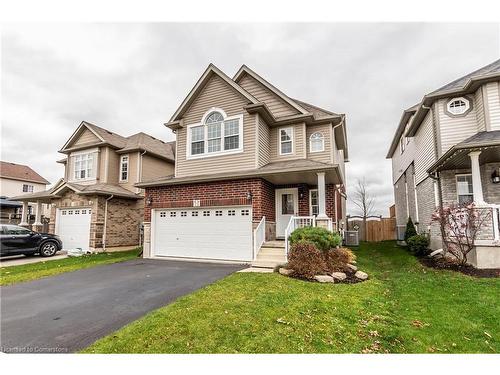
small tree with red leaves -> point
(460, 226)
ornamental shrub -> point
(322, 238)
(305, 260)
(418, 244)
(337, 259)
(410, 230)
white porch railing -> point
(259, 236)
(495, 213)
(301, 222)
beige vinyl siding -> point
(493, 97)
(133, 159)
(113, 166)
(478, 103)
(153, 167)
(217, 93)
(85, 137)
(455, 129)
(277, 106)
(264, 145)
(326, 155)
(299, 147)
(424, 144)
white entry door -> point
(73, 226)
(287, 205)
(210, 233)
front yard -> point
(403, 308)
(15, 274)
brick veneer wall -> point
(216, 193)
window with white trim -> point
(465, 192)
(316, 142)
(458, 106)
(313, 202)
(84, 166)
(218, 134)
(286, 141)
(124, 168)
(27, 188)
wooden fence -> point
(377, 229)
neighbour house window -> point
(464, 188)
(84, 166)
(313, 202)
(27, 188)
(124, 168)
(458, 106)
(218, 134)
(316, 142)
(286, 141)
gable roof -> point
(20, 172)
(205, 77)
(405, 117)
(104, 136)
(246, 70)
(145, 142)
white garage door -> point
(73, 226)
(208, 233)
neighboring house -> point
(17, 179)
(248, 157)
(447, 150)
(96, 205)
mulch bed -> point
(444, 264)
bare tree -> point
(363, 200)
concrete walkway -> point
(19, 260)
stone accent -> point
(323, 278)
(285, 271)
(352, 267)
(361, 275)
(491, 191)
(340, 276)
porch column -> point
(38, 213)
(24, 214)
(321, 196)
(476, 177)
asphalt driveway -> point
(68, 312)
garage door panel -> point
(73, 226)
(218, 233)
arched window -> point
(217, 133)
(316, 142)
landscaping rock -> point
(340, 276)
(353, 262)
(352, 267)
(438, 252)
(323, 278)
(285, 271)
(361, 275)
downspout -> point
(105, 222)
(140, 179)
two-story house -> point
(96, 205)
(251, 164)
(17, 179)
(446, 150)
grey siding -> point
(478, 103)
(493, 98)
(425, 153)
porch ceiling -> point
(459, 159)
(303, 177)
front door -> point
(287, 205)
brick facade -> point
(123, 222)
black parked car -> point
(17, 240)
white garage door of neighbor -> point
(210, 233)
(73, 226)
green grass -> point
(15, 274)
(403, 308)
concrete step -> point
(271, 258)
(271, 251)
(276, 244)
(265, 264)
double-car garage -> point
(219, 233)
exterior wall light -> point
(495, 177)
(249, 195)
(149, 201)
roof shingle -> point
(20, 172)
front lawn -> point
(403, 308)
(15, 274)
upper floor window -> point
(465, 193)
(316, 142)
(286, 141)
(84, 166)
(217, 134)
(458, 106)
(27, 188)
(124, 168)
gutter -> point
(105, 222)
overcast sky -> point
(132, 77)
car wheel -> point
(48, 249)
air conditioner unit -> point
(351, 238)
